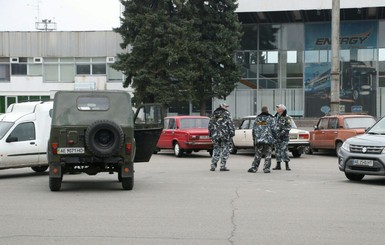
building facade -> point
(286, 57)
(33, 65)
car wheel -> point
(128, 183)
(177, 150)
(354, 177)
(104, 138)
(338, 146)
(39, 169)
(55, 183)
(296, 153)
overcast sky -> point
(70, 15)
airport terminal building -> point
(285, 57)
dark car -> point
(364, 154)
(185, 134)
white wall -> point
(282, 5)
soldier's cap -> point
(224, 105)
(282, 106)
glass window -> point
(366, 55)
(4, 127)
(381, 54)
(99, 59)
(98, 69)
(83, 69)
(51, 73)
(312, 56)
(245, 124)
(194, 123)
(291, 56)
(172, 124)
(291, 41)
(67, 72)
(333, 123)
(269, 37)
(35, 69)
(294, 83)
(250, 37)
(24, 132)
(359, 122)
(19, 69)
(93, 103)
(268, 83)
(4, 72)
(114, 75)
(323, 123)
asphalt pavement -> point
(179, 201)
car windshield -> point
(194, 123)
(378, 128)
(4, 127)
(359, 122)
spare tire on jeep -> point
(104, 138)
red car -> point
(185, 134)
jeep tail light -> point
(128, 148)
(54, 148)
(303, 136)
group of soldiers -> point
(268, 132)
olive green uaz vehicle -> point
(98, 131)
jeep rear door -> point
(148, 127)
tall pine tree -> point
(220, 35)
(157, 64)
(179, 50)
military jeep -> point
(98, 131)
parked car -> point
(243, 139)
(24, 132)
(364, 154)
(332, 131)
(185, 134)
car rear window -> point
(359, 122)
(194, 123)
(93, 103)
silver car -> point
(364, 154)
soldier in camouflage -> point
(263, 137)
(282, 129)
(221, 131)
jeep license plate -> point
(70, 150)
(362, 162)
(204, 137)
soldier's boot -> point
(278, 166)
(287, 166)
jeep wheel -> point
(296, 153)
(39, 169)
(128, 183)
(55, 183)
(354, 177)
(104, 138)
(177, 150)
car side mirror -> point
(315, 127)
(12, 139)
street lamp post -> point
(335, 69)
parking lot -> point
(179, 201)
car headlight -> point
(346, 146)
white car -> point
(243, 139)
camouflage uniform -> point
(282, 129)
(221, 130)
(263, 129)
